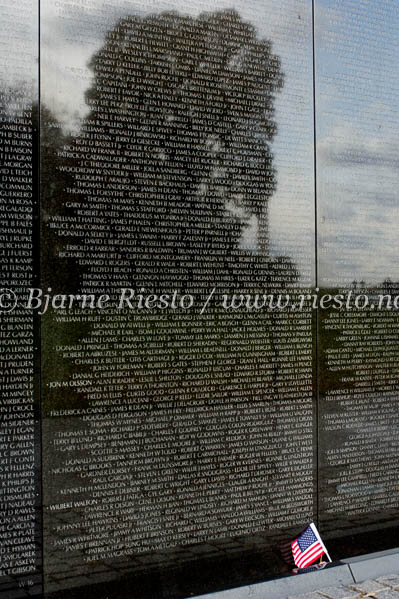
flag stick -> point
(316, 532)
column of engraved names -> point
(360, 358)
(17, 435)
(170, 413)
(292, 494)
(154, 351)
(362, 404)
(18, 542)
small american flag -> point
(308, 547)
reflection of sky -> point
(19, 45)
(358, 145)
(358, 158)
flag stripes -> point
(304, 559)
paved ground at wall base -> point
(385, 587)
(375, 576)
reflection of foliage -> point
(182, 109)
(171, 162)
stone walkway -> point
(384, 587)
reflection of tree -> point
(183, 109)
(170, 164)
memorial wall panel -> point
(357, 177)
(177, 164)
(175, 402)
(20, 552)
